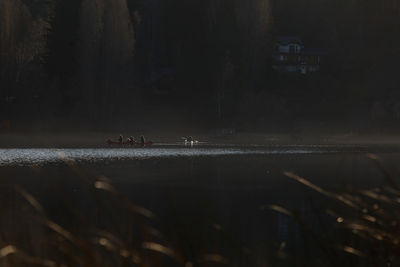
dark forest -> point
(199, 133)
(98, 64)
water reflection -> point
(41, 155)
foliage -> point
(97, 60)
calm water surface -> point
(192, 187)
(24, 156)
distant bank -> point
(98, 139)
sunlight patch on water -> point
(42, 156)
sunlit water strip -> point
(28, 156)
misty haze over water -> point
(199, 132)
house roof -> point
(289, 40)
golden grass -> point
(366, 226)
(118, 232)
(132, 237)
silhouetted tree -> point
(255, 21)
(107, 43)
(22, 41)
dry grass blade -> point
(154, 232)
(214, 258)
(345, 201)
(112, 238)
(30, 199)
(350, 250)
(141, 210)
(106, 243)
(381, 168)
(113, 244)
(305, 182)
(12, 250)
(61, 231)
(103, 185)
(106, 186)
(357, 200)
(318, 189)
(7, 250)
(372, 232)
(376, 196)
(278, 209)
(159, 248)
(369, 218)
(124, 253)
(392, 190)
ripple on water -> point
(38, 156)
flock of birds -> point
(189, 141)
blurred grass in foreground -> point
(365, 231)
(101, 227)
(97, 227)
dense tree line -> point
(102, 61)
(23, 36)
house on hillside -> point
(291, 56)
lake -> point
(208, 200)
